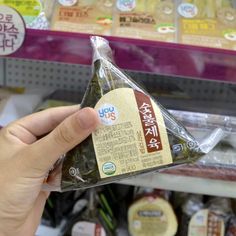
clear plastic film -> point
(220, 163)
(136, 134)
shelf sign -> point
(12, 30)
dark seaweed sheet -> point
(107, 77)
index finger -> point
(41, 122)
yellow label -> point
(152, 216)
(212, 24)
(152, 20)
(29, 9)
(132, 135)
(206, 223)
(95, 17)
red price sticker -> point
(12, 30)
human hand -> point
(26, 160)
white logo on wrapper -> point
(187, 10)
(126, 5)
(108, 114)
(12, 30)
(73, 171)
(67, 3)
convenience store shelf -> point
(132, 54)
(185, 184)
(62, 60)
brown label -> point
(134, 18)
(128, 138)
(149, 122)
(73, 14)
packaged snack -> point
(191, 205)
(93, 217)
(147, 19)
(207, 23)
(212, 220)
(136, 134)
(93, 17)
(151, 216)
(31, 11)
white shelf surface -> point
(184, 184)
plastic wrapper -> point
(136, 134)
(220, 163)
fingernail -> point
(87, 118)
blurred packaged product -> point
(207, 23)
(145, 19)
(33, 12)
(212, 220)
(152, 215)
(84, 16)
(189, 206)
(92, 217)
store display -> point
(146, 211)
(118, 148)
(87, 16)
(207, 23)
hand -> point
(25, 161)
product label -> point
(154, 217)
(206, 223)
(84, 228)
(212, 25)
(12, 31)
(132, 136)
(29, 9)
(154, 21)
(90, 18)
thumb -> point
(72, 131)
